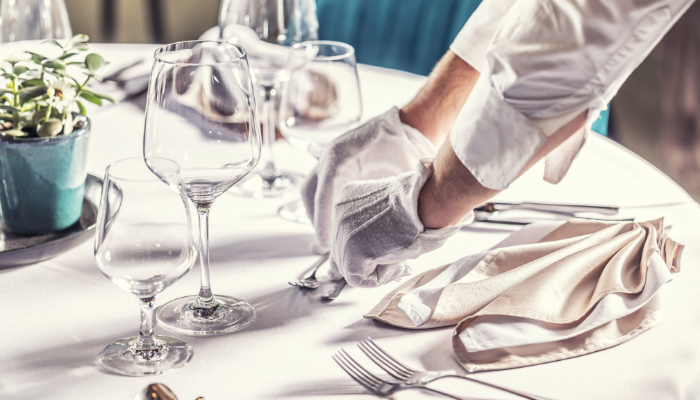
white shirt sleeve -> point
(473, 40)
(548, 61)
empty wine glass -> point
(34, 20)
(263, 27)
(200, 113)
(320, 101)
(144, 243)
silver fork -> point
(311, 282)
(411, 376)
(375, 384)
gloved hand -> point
(380, 148)
(377, 228)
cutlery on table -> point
(484, 212)
(311, 282)
(492, 208)
(376, 385)
(335, 292)
(158, 391)
(409, 376)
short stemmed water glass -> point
(282, 23)
(144, 243)
(320, 101)
(200, 113)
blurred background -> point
(656, 113)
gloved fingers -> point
(334, 271)
(308, 193)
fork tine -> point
(382, 362)
(394, 361)
(353, 375)
(360, 369)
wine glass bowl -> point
(201, 114)
(320, 101)
(267, 28)
(321, 98)
(143, 244)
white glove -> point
(377, 228)
(380, 148)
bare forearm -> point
(435, 108)
(452, 191)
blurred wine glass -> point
(263, 28)
(33, 20)
(320, 101)
(200, 113)
(144, 243)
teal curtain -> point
(409, 35)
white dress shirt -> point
(542, 63)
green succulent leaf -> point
(5, 107)
(79, 63)
(33, 82)
(81, 107)
(77, 39)
(90, 97)
(32, 92)
(99, 95)
(19, 69)
(81, 47)
(3, 91)
(50, 128)
(55, 64)
(37, 58)
(28, 106)
(14, 133)
(6, 117)
(67, 55)
(94, 62)
(39, 116)
(52, 41)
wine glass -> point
(200, 113)
(320, 101)
(144, 243)
(34, 20)
(263, 27)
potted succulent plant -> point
(44, 135)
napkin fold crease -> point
(549, 292)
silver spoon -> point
(158, 391)
(311, 282)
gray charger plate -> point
(17, 249)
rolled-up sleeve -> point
(473, 40)
(548, 61)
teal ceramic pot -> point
(42, 180)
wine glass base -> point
(258, 186)
(119, 357)
(295, 212)
(231, 314)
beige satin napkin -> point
(582, 287)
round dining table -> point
(57, 315)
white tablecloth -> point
(56, 316)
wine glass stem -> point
(205, 298)
(269, 130)
(146, 339)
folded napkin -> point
(550, 291)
